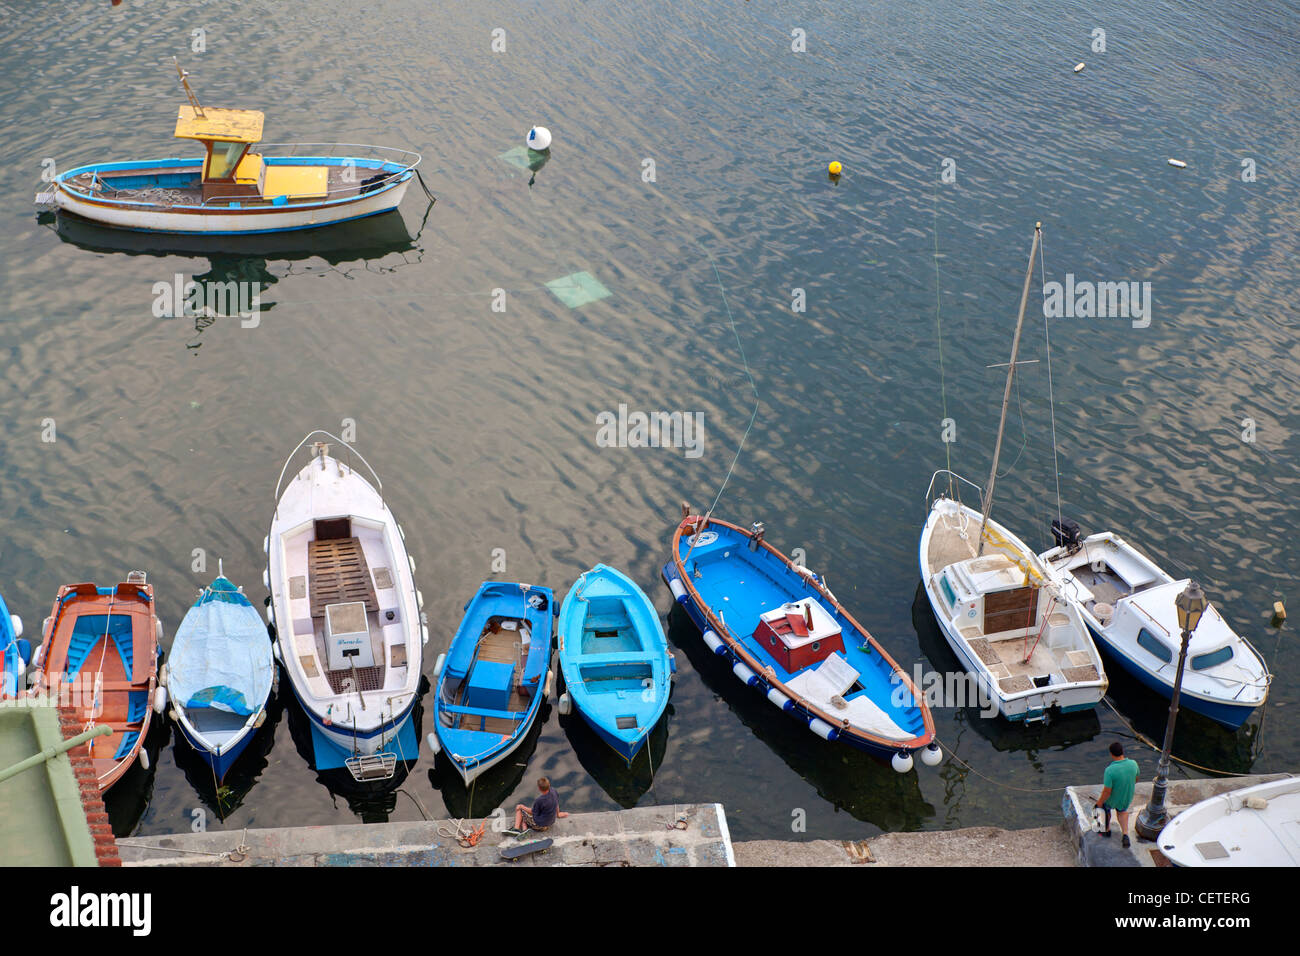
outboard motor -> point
(1065, 532)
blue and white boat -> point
(1127, 601)
(614, 658)
(492, 680)
(349, 627)
(236, 187)
(15, 653)
(219, 674)
(787, 636)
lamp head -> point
(1191, 605)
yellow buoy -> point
(835, 169)
(1079, 68)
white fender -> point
(266, 578)
(744, 673)
(419, 599)
(275, 647)
(821, 728)
(163, 674)
(931, 756)
(550, 684)
(157, 630)
(159, 700)
(679, 592)
(173, 715)
(144, 758)
(437, 667)
(411, 561)
(778, 698)
(714, 643)
(565, 705)
(17, 623)
(270, 614)
(435, 747)
(401, 532)
(266, 545)
(261, 718)
(424, 634)
(901, 762)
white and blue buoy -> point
(539, 138)
(931, 756)
(902, 762)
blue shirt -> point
(545, 809)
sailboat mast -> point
(1006, 395)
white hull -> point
(1120, 592)
(1061, 650)
(249, 221)
(360, 709)
(1255, 826)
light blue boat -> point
(493, 678)
(615, 659)
(219, 674)
(14, 653)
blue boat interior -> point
(492, 680)
(615, 657)
(740, 585)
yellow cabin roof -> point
(227, 126)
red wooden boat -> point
(100, 653)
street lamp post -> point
(1191, 605)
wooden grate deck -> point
(337, 574)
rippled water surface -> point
(483, 423)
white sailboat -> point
(348, 617)
(1000, 607)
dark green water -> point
(483, 424)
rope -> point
(752, 385)
(1142, 738)
(952, 755)
(938, 323)
(1051, 397)
(432, 197)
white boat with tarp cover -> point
(1254, 826)
(219, 674)
(239, 186)
(348, 617)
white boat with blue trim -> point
(1127, 601)
(237, 187)
(349, 621)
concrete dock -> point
(686, 835)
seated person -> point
(542, 814)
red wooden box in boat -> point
(100, 654)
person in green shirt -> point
(1118, 784)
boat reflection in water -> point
(858, 783)
(371, 800)
(625, 783)
(128, 799)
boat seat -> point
(296, 182)
(483, 712)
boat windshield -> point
(223, 158)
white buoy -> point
(17, 623)
(1078, 68)
(539, 138)
(1178, 163)
(565, 704)
(901, 762)
(932, 756)
(431, 739)
(437, 667)
(144, 758)
(159, 700)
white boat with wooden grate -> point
(348, 617)
(999, 605)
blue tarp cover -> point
(221, 657)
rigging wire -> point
(1051, 396)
